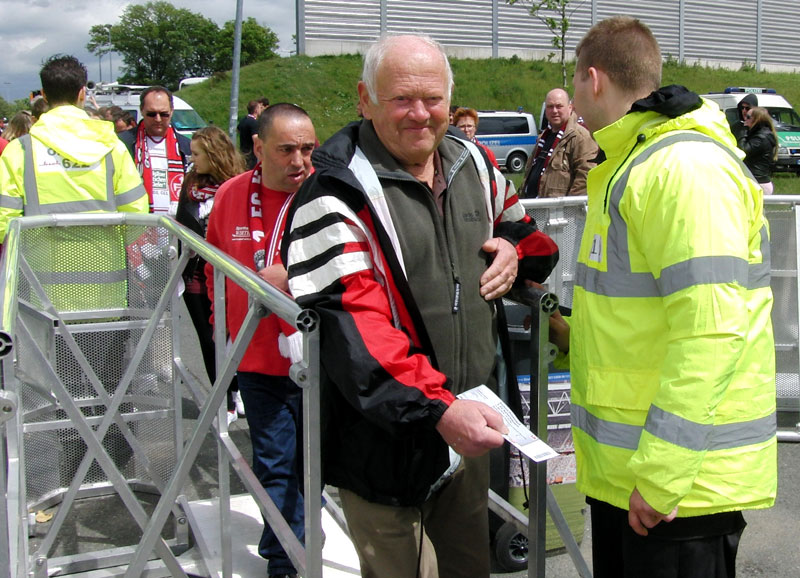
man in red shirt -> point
(247, 222)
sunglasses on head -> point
(155, 113)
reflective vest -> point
(671, 344)
(72, 164)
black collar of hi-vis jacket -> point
(672, 101)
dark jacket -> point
(384, 385)
(737, 128)
(759, 145)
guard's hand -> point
(642, 516)
(471, 428)
(500, 276)
(276, 275)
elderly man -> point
(247, 222)
(401, 240)
(564, 153)
(671, 346)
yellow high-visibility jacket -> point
(71, 163)
(671, 344)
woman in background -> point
(20, 124)
(760, 144)
(467, 120)
(214, 161)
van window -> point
(786, 119)
(503, 125)
(187, 120)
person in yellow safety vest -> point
(670, 340)
(70, 163)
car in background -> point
(511, 136)
(185, 119)
(785, 119)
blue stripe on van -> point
(505, 141)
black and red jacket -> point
(388, 373)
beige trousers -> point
(452, 528)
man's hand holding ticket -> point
(518, 435)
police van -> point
(185, 119)
(786, 120)
(510, 135)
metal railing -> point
(106, 382)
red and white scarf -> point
(543, 139)
(175, 168)
(265, 254)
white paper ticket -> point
(518, 435)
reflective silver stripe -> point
(675, 430)
(11, 202)
(81, 277)
(84, 206)
(131, 196)
(620, 281)
(31, 204)
(700, 271)
(110, 180)
(606, 432)
(758, 275)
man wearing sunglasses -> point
(161, 154)
(747, 103)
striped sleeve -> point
(336, 267)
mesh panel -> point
(102, 284)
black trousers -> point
(701, 547)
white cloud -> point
(34, 30)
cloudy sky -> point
(32, 30)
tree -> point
(258, 43)
(159, 44)
(556, 15)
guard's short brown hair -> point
(626, 50)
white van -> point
(185, 119)
(786, 120)
(510, 135)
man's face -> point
(156, 114)
(412, 112)
(120, 125)
(557, 108)
(285, 154)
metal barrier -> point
(564, 218)
(91, 402)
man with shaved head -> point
(401, 241)
(563, 155)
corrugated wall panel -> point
(519, 29)
(719, 31)
(356, 21)
(462, 23)
(662, 17)
(780, 42)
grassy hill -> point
(326, 85)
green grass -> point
(326, 85)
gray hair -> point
(377, 52)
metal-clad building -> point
(724, 33)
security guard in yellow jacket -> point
(70, 163)
(670, 342)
